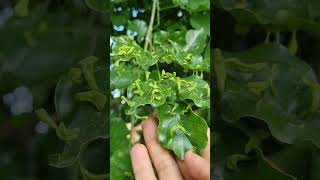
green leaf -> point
(180, 131)
(91, 123)
(138, 26)
(262, 169)
(300, 160)
(94, 97)
(195, 89)
(196, 41)
(123, 75)
(287, 100)
(119, 132)
(126, 49)
(88, 66)
(192, 62)
(231, 162)
(201, 20)
(120, 165)
(67, 135)
(149, 92)
(120, 162)
(87, 175)
(43, 116)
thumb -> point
(198, 167)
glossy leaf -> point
(201, 20)
(195, 41)
(286, 84)
(126, 49)
(195, 89)
(181, 131)
(123, 75)
(138, 26)
(119, 133)
(150, 92)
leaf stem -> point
(148, 39)
(158, 71)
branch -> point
(148, 39)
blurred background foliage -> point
(266, 63)
(42, 43)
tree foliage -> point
(159, 65)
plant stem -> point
(267, 40)
(158, 14)
(158, 71)
(148, 39)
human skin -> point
(167, 166)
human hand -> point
(168, 167)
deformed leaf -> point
(181, 131)
(126, 49)
(67, 135)
(149, 92)
(95, 97)
(195, 89)
(286, 93)
(91, 123)
(88, 69)
(232, 161)
(87, 175)
(123, 75)
(43, 116)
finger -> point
(198, 167)
(135, 136)
(162, 159)
(141, 163)
(183, 169)
(205, 153)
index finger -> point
(162, 159)
(141, 163)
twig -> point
(148, 39)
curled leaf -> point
(95, 97)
